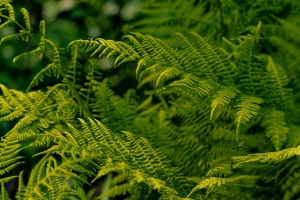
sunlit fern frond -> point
(269, 157)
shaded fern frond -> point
(213, 184)
(276, 129)
(247, 108)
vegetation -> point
(214, 114)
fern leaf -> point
(3, 194)
(247, 108)
(43, 30)
(278, 83)
(31, 54)
(168, 73)
(269, 157)
(192, 85)
(52, 91)
(222, 97)
(49, 70)
(276, 129)
(5, 25)
(57, 57)
(214, 182)
(11, 11)
(27, 22)
(151, 70)
(13, 37)
(3, 2)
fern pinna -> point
(217, 122)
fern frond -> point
(30, 54)
(9, 158)
(3, 194)
(222, 97)
(192, 85)
(168, 73)
(43, 30)
(213, 183)
(5, 25)
(269, 157)
(16, 36)
(3, 2)
(247, 108)
(57, 58)
(276, 129)
(11, 11)
(278, 84)
(27, 22)
(50, 70)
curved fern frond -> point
(213, 183)
(16, 36)
(11, 11)
(269, 157)
(27, 23)
(50, 70)
(43, 30)
(57, 58)
(30, 54)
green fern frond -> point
(222, 97)
(247, 108)
(16, 36)
(168, 73)
(213, 183)
(269, 157)
(48, 97)
(11, 11)
(3, 194)
(278, 82)
(57, 58)
(74, 67)
(276, 129)
(27, 21)
(88, 45)
(220, 170)
(47, 173)
(30, 54)
(43, 30)
(9, 158)
(50, 70)
(3, 2)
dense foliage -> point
(214, 114)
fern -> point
(210, 119)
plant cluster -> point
(214, 115)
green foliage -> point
(209, 120)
